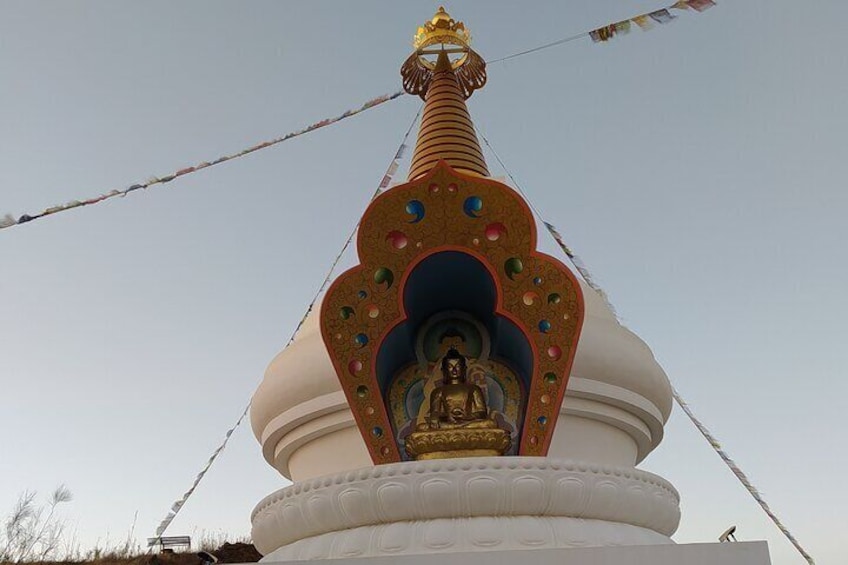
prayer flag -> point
(682, 5)
(603, 34)
(622, 28)
(643, 22)
(701, 5)
(662, 16)
(7, 221)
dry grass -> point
(35, 534)
(226, 553)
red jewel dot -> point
(495, 231)
(554, 352)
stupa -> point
(461, 396)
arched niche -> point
(451, 299)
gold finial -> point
(439, 40)
(442, 29)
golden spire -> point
(446, 128)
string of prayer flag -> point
(575, 260)
(646, 21)
(743, 478)
(177, 506)
(8, 220)
(711, 439)
(600, 35)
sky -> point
(698, 169)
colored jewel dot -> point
(472, 206)
(529, 298)
(475, 241)
(418, 244)
(377, 431)
(397, 239)
(339, 337)
(354, 366)
(373, 311)
(554, 352)
(565, 316)
(542, 420)
(494, 231)
(362, 391)
(550, 377)
(415, 208)
(537, 281)
(385, 451)
(369, 410)
(534, 440)
(362, 294)
(361, 340)
(512, 267)
(451, 187)
(554, 298)
(346, 312)
(544, 326)
(546, 399)
(434, 188)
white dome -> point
(618, 399)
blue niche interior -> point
(452, 280)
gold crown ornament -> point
(452, 39)
(442, 29)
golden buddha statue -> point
(458, 423)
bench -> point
(167, 544)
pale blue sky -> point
(699, 170)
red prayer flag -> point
(701, 5)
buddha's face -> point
(454, 370)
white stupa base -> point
(744, 553)
(463, 505)
(461, 535)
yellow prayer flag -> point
(643, 22)
(622, 27)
